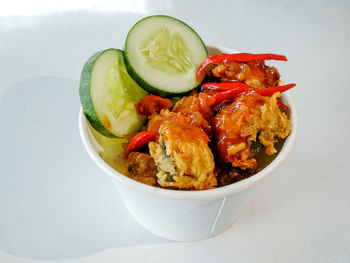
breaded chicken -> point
(238, 125)
(196, 108)
(255, 73)
(141, 168)
(165, 115)
(183, 157)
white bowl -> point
(186, 215)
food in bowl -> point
(211, 121)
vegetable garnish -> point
(162, 55)
(270, 91)
(235, 89)
(108, 95)
(219, 97)
(224, 86)
(152, 104)
(140, 140)
(239, 57)
(281, 105)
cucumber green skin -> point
(139, 80)
(85, 94)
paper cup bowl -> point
(186, 215)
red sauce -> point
(230, 122)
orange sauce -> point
(195, 107)
(183, 132)
(231, 120)
(254, 73)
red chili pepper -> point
(244, 89)
(223, 86)
(239, 57)
(152, 104)
(140, 140)
(270, 91)
(281, 105)
(219, 97)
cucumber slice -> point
(108, 95)
(162, 55)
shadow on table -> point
(54, 202)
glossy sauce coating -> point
(196, 108)
(152, 104)
(229, 126)
(254, 73)
(165, 116)
(183, 132)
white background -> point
(56, 205)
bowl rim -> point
(210, 194)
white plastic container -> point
(186, 215)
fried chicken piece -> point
(238, 124)
(183, 156)
(230, 175)
(196, 108)
(190, 109)
(253, 73)
(152, 104)
(165, 115)
(142, 168)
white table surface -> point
(56, 205)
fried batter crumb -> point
(141, 167)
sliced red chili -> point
(219, 97)
(140, 140)
(223, 86)
(152, 104)
(281, 105)
(270, 91)
(244, 89)
(239, 57)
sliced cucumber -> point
(108, 95)
(162, 55)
